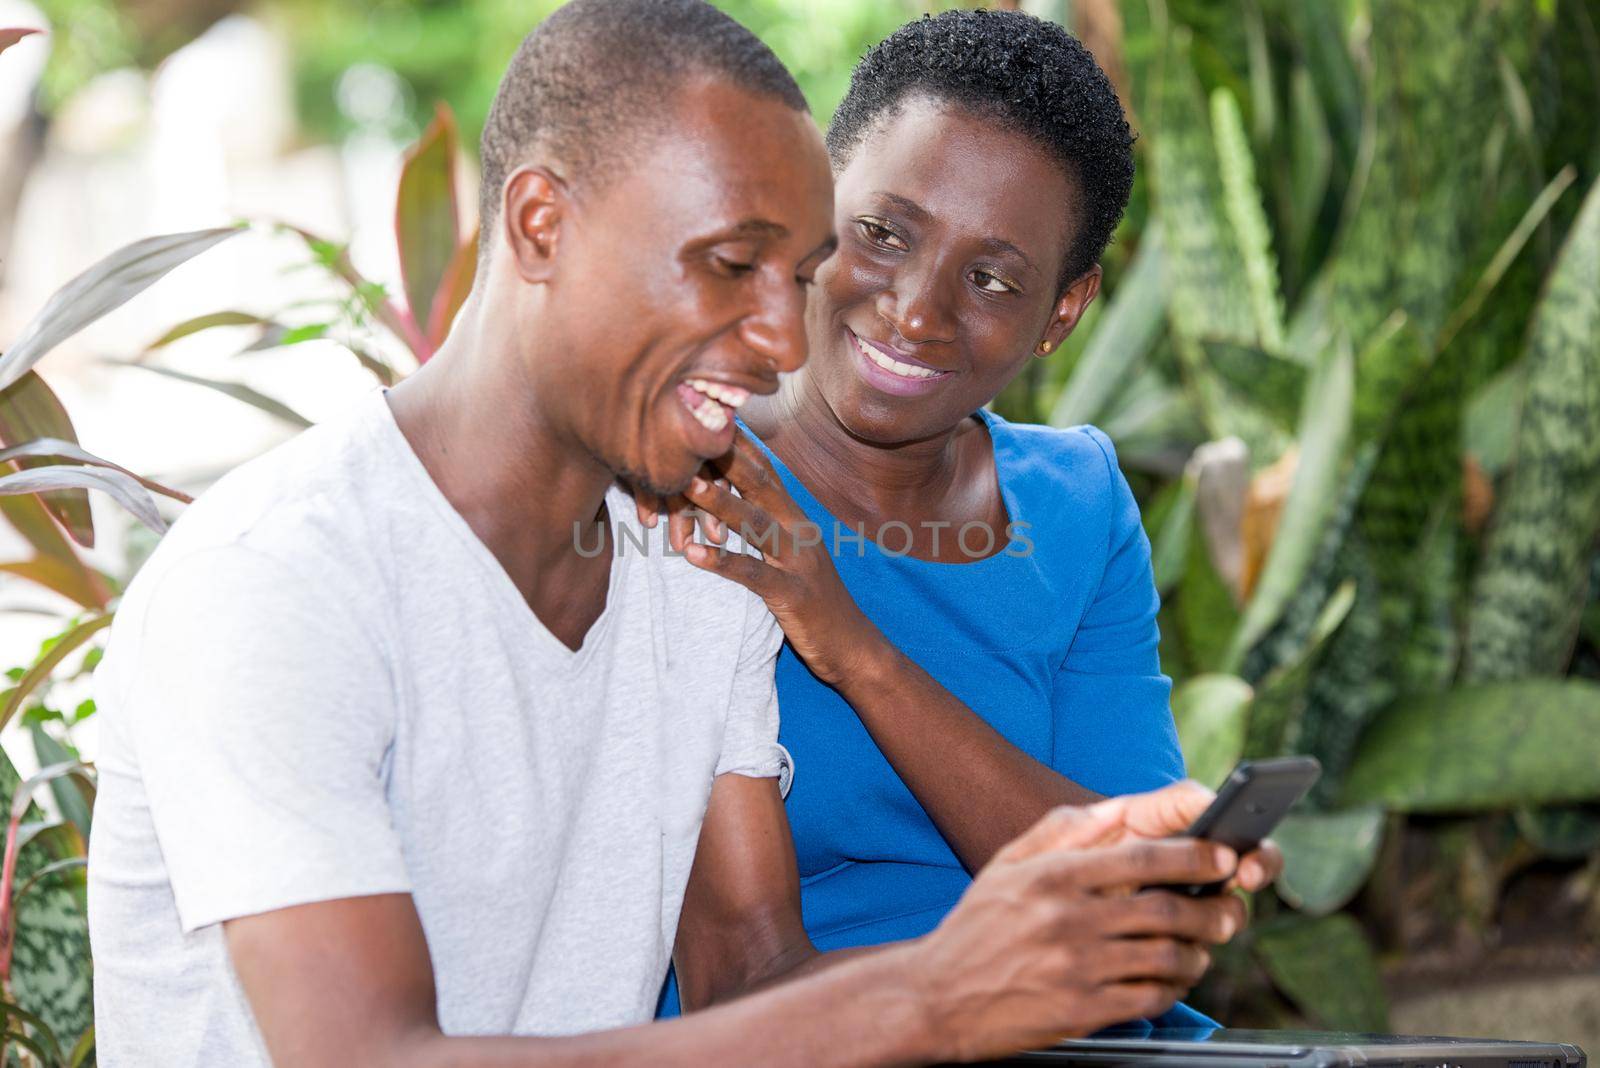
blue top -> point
(1052, 640)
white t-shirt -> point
(323, 685)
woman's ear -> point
(1071, 305)
(535, 201)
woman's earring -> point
(1044, 348)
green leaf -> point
(1130, 325)
(1482, 748)
(1530, 587)
(74, 797)
(46, 663)
(1273, 383)
(1567, 832)
(1327, 856)
(1310, 163)
(83, 1049)
(122, 488)
(426, 221)
(1327, 968)
(1169, 522)
(1280, 699)
(30, 409)
(50, 968)
(207, 322)
(1210, 714)
(236, 390)
(1324, 431)
(1242, 203)
(105, 286)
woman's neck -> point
(858, 479)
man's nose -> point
(777, 333)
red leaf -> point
(29, 409)
(10, 37)
(426, 223)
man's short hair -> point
(594, 80)
(1025, 73)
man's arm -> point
(1048, 942)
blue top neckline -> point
(999, 441)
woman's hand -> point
(794, 575)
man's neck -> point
(528, 491)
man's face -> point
(680, 287)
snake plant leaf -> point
(1132, 321)
(107, 285)
(1241, 204)
(1325, 429)
(1327, 967)
(1210, 712)
(1529, 590)
(1482, 748)
(30, 409)
(1327, 856)
(1275, 713)
(1208, 294)
(50, 964)
(1274, 383)
(1310, 166)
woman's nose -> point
(914, 304)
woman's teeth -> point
(888, 363)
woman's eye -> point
(879, 234)
(991, 283)
(734, 266)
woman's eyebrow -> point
(910, 207)
(1001, 246)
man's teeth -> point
(710, 414)
(732, 396)
(888, 363)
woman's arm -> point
(979, 789)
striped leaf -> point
(1529, 590)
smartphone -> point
(1256, 795)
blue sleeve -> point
(1113, 722)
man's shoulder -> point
(301, 505)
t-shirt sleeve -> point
(262, 712)
(750, 739)
(1114, 730)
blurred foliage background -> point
(1348, 349)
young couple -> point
(394, 772)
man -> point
(397, 768)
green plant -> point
(1372, 257)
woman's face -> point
(952, 235)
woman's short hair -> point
(1030, 75)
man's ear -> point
(534, 203)
(1071, 305)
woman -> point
(981, 162)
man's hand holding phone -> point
(1055, 938)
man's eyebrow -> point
(757, 228)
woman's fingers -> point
(720, 503)
(648, 506)
(1164, 913)
(753, 574)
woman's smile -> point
(892, 371)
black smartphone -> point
(1256, 795)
